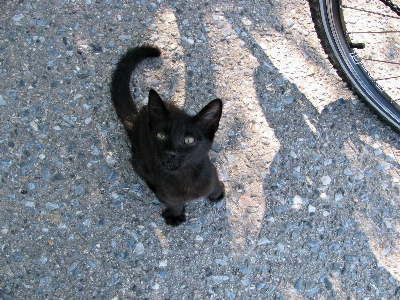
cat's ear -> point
(156, 106)
(208, 118)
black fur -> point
(169, 147)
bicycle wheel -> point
(364, 70)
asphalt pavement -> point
(311, 174)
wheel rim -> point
(353, 68)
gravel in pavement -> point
(312, 175)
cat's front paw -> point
(173, 220)
(219, 195)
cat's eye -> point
(161, 136)
(188, 140)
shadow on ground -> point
(311, 173)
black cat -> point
(169, 147)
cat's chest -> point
(186, 185)
(181, 190)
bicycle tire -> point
(331, 30)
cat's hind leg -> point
(217, 187)
(151, 186)
(218, 193)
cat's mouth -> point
(170, 166)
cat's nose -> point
(169, 154)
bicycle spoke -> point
(371, 12)
(374, 32)
(387, 78)
(381, 61)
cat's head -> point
(179, 139)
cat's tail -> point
(120, 91)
